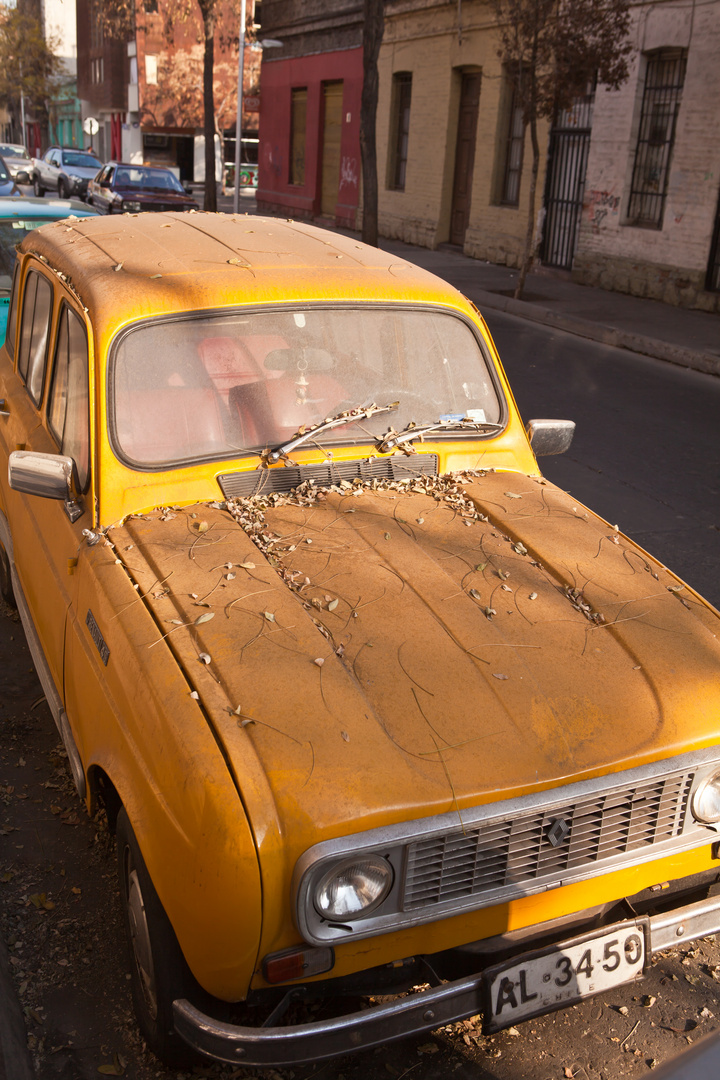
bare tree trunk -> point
(372, 38)
(529, 252)
(209, 106)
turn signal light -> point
(297, 964)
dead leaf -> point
(204, 618)
(202, 526)
(333, 604)
(319, 661)
(247, 565)
(497, 675)
(512, 495)
(269, 616)
(204, 658)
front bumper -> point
(411, 1015)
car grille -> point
(243, 484)
(520, 851)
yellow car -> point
(371, 706)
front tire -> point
(63, 192)
(159, 972)
(37, 188)
(6, 589)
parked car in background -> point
(374, 710)
(19, 216)
(7, 184)
(65, 170)
(123, 189)
(18, 162)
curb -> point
(606, 335)
(15, 1061)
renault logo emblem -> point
(557, 832)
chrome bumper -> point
(301, 1043)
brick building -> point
(146, 91)
(630, 178)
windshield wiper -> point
(414, 431)
(304, 435)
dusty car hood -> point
(385, 654)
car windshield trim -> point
(450, 426)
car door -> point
(46, 410)
(102, 190)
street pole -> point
(22, 107)
(238, 121)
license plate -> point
(562, 974)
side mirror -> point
(22, 177)
(47, 475)
(550, 436)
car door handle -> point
(3, 410)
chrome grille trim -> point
(618, 820)
(513, 853)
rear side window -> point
(35, 333)
(68, 410)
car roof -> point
(129, 266)
(53, 209)
(143, 165)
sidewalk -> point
(678, 335)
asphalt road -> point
(646, 453)
(647, 457)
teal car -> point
(19, 216)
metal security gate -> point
(565, 183)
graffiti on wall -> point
(349, 172)
(600, 204)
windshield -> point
(81, 161)
(187, 389)
(148, 179)
(7, 150)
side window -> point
(34, 333)
(12, 316)
(69, 407)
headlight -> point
(75, 178)
(353, 888)
(131, 207)
(706, 800)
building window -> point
(97, 37)
(97, 71)
(713, 275)
(151, 70)
(298, 121)
(399, 130)
(664, 78)
(514, 144)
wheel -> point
(6, 589)
(63, 192)
(159, 972)
(37, 187)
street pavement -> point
(649, 327)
